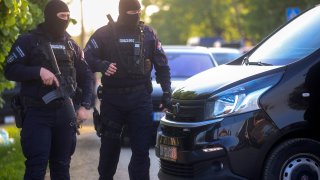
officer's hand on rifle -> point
(165, 101)
(111, 69)
(48, 78)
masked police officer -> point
(48, 128)
(125, 53)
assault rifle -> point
(114, 35)
(96, 116)
(66, 89)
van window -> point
(297, 40)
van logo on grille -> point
(176, 108)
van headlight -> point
(240, 99)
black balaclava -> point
(127, 20)
(52, 24)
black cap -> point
(126, 5)
(53, 7)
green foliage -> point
(11, 157)
(178, 20)
(265, 16)
(16, 17)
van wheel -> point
(294, 159)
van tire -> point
(293, 159)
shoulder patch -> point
(20, 52)
(94, 43)
(11, 58)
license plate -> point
(168, 152)
(158, 115)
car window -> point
(187, 64)
(293, 42)
(223, 58)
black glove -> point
(103, 66)
(166, 100)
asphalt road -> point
(84, 162)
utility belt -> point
(125, 90)
(19, 105)
(31, 102)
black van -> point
(254, 118)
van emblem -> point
(176, 108)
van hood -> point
(204, 84)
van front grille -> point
(187, 111)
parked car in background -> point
(184, 62)
(225, 55)
(254, 118)
(204, 41)
(6, 113)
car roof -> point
(189, 50)
(223, 50)
(186, 49)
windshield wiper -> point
(258, 63)
(247, 62)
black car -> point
(6, 112)
(225, 55)
(255, 118)
(184, 62)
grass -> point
(11, 157)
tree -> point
(16, 17)
(264, 16)
(178, 20)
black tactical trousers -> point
(47, 136)
(135, 110)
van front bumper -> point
(228, 148)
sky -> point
(94, 13)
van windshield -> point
(293, 42)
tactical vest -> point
(128, 46)
(132, 59)
(64, 53)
